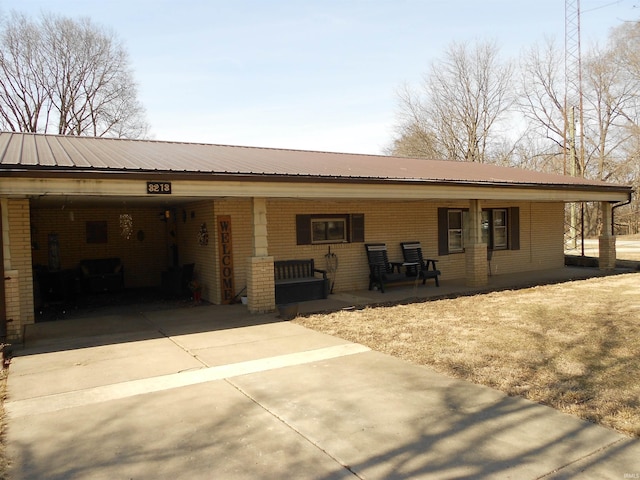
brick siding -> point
(146, 256)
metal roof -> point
(27, 152)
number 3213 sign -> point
(159, 188)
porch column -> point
(607, 241)
(475, 250)
(261, 296)
(15, 242)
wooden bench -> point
(298, 281)
(424, 268)
(383, 272)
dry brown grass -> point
(572, 346)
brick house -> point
(231, 211)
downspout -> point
(621, 204)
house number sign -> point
(159, 188)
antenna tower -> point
(573, 117)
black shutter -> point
(303, 229)
(489, 228)
(514, 228)
(443, 231)
(357, 227)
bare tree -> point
(461, 103)
(625, 44)
(414, 137)
(24, 88)
(610, 105)
(66, 76)
(541, 101)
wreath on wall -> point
(203, 235)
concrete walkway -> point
(213, 392)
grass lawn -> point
(572, 346)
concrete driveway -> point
(213, 392)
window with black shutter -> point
(500, 229)
(329, 228)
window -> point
(494, 228)
(328, 230)
(500, 229)
(455, 241)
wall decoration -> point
(225, 259)
(97, 232)
(126, 225)
(203, 235)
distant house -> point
(229, 212)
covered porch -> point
(411, 292)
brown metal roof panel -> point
(143, 155)
(29, 151)
(182, 157)
(66, 153)
(118, 154)
(88, 152)
(13, 149)
(45, 155)
(60, 154)
(5, 140)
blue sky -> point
(306, 74)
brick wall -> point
(387, 222)
(541, 236)
(260, 288)
(13, 299)
(19, 287)
(147, 254)
(541, 239)
(607, 249)
(144, 255)
(189, 220)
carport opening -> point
(91, 254)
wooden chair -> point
(381, 271)
(412, 253)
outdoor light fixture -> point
(164, 216)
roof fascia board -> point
(206, 189)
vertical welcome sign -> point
(225, 257)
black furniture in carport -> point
(175, 281)
(102, 275)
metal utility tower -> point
(573, 118)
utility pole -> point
(573, 117)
